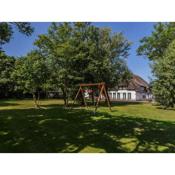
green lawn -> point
(130, 127)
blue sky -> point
(133, 31)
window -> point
(114, 95)
(129, 96)
(124, 96)
(118, 96)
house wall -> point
(143, 96)
(139, 96)
(135, 96)
(122, 92)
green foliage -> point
(164, 71)
(31, 74)
(7, 83)
(6, 68)
(6, 30)
(81, 52)
(154, 46)
(159, 48)
(24, 27)
(70, 53)
(5, 33)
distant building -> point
(136, 89)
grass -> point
(130, 127)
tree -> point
(6, 81)
(107, 58)
(164, 84)
(81, 52)
(6, 62)
(156, 47)
(6, 30)
(57, 50)
(31, 74)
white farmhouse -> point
(136, 89)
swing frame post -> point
(101, 87)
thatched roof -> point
(135, 83)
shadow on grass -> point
(125, 103)
(158, 106)
(122, 103)
(56, 129)
(4, 104)
(168, 109)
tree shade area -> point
(130, 127)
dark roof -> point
(135, 83)
(138, 81)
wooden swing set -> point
(102, 92)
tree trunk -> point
(38, 99)
(65, 96)
(66, 93)
(35, 100)
(65, 101)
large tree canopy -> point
(6, 30)
(159, 47)
(6, 68)
(6, 62)
(154, 46)
(164, 71)
(81, 52)
(31, 74)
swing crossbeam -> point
(102, 88)
(92, 84)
